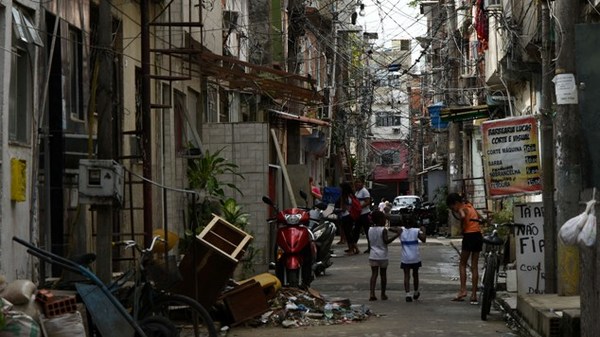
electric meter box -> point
(100, 182)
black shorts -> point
(410, 265)
(472, 242)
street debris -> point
(292, 308)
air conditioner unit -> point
(492, 4)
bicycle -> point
(492, 259)
(150, 301)
(144, 310)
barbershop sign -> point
(511, 156)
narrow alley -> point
(434, 314)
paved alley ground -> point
(434, 314)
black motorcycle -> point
(323, 228)
(425, 215)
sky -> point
(393, 19)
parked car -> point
(403, 207)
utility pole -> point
(104, 107)
(568, 139)
(454, 146)
(550, 230)
(146, 121)
(332, 86)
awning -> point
(301, 119)
(242, 75)
(465, 113)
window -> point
(223, 106)
(211, 109)
(194, 109)
(388, 120)
(74, 78)
(248, 108)
(181, 139)
(21, 76)
(24, 29)
(390, 157)
(20, 103)
(404, 44)
(136, 140)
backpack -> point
(355, 208)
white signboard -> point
(565, 89)
(529, 244)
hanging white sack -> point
(569, 231)
(587, 236)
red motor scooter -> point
(295, 250)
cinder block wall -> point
(246, 145)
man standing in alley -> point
(363, 195)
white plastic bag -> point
(66, 325)
(569, 231)
(587, 236)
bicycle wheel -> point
(157, 326)
(189, 318)
(488, 286)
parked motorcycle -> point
(425, 215)
(322, 225)
(295, 250)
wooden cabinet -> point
(211, 261)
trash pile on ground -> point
(293, 307)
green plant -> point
(232, 212)
(204, 176)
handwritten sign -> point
(511, 156)
(530, 248)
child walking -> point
(411, 258)
(378, 255)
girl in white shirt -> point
(411, 258)
(378, 254)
